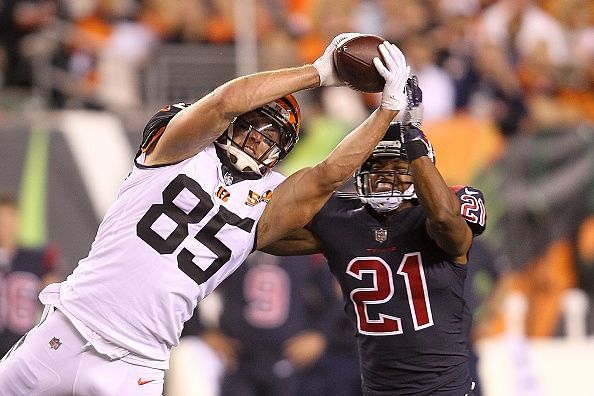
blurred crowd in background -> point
(508, 95)
(496, 58)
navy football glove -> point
(414, 105)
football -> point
(353, 61)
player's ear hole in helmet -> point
(384, 181)
(257, 140)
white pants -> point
(56, 360)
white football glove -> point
(325, 63)
(395, 72)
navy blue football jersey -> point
(403, 295)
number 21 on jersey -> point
(411, 268)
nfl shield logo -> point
(228, 179)
(55, 343)
(381, 235)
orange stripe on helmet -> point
(291, 103)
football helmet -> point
(390, 148)
(275, 126)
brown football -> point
(353, 61)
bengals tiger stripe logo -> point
(222, 194)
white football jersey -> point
(173, 234)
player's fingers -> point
(397, 55)
(381, 69)
(388, 61)
(399, 62)
(415, 90)
(349, 35)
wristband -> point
(415, 149)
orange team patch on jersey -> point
(222, 194)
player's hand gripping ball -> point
(353, 62)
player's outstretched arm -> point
(444, 223)
(302, 195)
(298, 243)
(198, 125)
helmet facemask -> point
(384, 189)
(257, 140)
(384, 181)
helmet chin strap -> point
(241, 161)
(244, 162)
(383, 204)
(387, 201)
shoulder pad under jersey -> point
(473, 207)
(156, 125)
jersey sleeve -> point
(323, 218)
(156, 125)
(473, 208)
